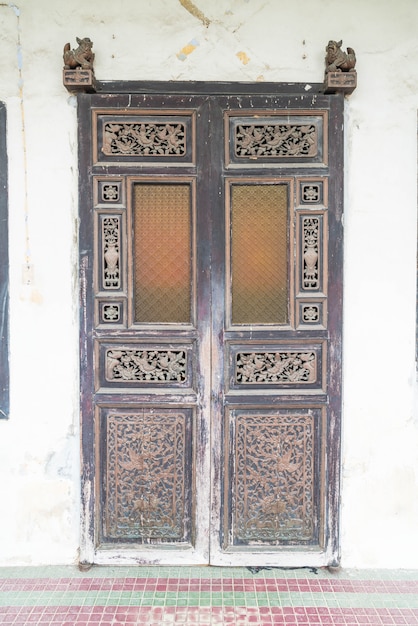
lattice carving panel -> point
(148, 477)
(274, 479)
(276, 367)
(276, 138)
(150, 138)
(259, 262)
(147, 366)
(144, 139)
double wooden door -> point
(210, 282)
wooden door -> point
(210, 272)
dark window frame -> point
(4, 271)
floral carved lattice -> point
(111, 312)
(144, 139)
(310, 313)
(274, 480)
(146, 477)
(311, 193)
(275, 367)
(276, 140)
(311, 238)
(151, 366)
(111, 252)
(111, 192)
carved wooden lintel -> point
(79, 80)
(340, 82)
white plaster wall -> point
(242, 40)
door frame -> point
(330, 555)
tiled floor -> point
(63, 596)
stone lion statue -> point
(337, 60)
(83, 56)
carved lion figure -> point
(83, 56)
(337, 60)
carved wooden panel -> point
(276, 366)
(139, 364)
(144, 136)
(276, 137)
(312, 192)
(148, 475)
(276, 140)
(146, 365)
(312, 253)
(274, 477)
(111, 312)
(110, 255)
(311, 313)
(109, 192)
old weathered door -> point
(210, 272)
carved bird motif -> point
(248, 136)
(279, 136)
(173, 135)
(284, 464)
(146, 504)
(142, 138)
(273, 506)
(136, 461)
(146, 366)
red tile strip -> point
(190, 616)
(210, 584)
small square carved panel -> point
(275, 476)
(111, 312)
(311, 313)
(146, 494)
(110, 192)
(312, 193)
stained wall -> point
(233, 40)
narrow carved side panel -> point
(276, 367)
(274, 480)
(110, 252)
(311, 253)
(148, 484)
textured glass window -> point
(162, 252)
(259, 261)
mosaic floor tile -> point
(63, 596)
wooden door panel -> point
(271, 475)
(275, 461)
(147, 467)
(210, 327)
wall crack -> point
(193, 10)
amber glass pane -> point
(259, 244)
(162, 251)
